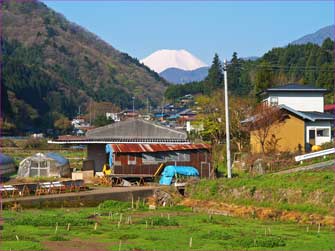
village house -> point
(305, 125)
(138, 147)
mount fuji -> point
(181, 59)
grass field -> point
(115, 226)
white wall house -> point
(307, 102)
(300, 101)
(299, 97)
(113, 115)
(318, 131)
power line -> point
(282, 67)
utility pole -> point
(90, 112)
(227, 118)
(147, 105)
(133, 106)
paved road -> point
(325, 164)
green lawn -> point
(161, 229)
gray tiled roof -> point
(136, 129)
(294, 87)
(319, 115)
(312, 116)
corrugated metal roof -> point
(140, 148)
(136, 129)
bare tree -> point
(264, 120)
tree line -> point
(306, 64)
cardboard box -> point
(77, 176)
(88, 175)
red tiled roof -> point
(329, 107)
(139, 148)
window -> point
(171, 157)
(39, 168)
(150, 158)
(322, 132)
(185, 157)
(131, 159)
(273, 101)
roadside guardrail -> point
(314, 154)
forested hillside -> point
(51, 67)
(306, 64)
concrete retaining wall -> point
(82, 199)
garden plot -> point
(117, 226)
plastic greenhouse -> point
(46, 165)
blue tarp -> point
(170, 171)
(109, 150)
(59, 159)
(4, 159)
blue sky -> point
(250, 28)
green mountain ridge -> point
(52, 66)
(305, 64)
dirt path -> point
(75, 245)
(214, 207)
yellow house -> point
(305, 124)
(298, 132)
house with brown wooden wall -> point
(138, 147)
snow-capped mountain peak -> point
(163, 59)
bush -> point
(33, 143)
(216, 235)
(128, 236)
(265, 241)
(327, 145)
(7, 143)
(51, 220)
(113, 205)
(58, 238)
(159, 221)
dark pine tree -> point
(214, 80)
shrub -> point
(33, 143)
(58, 238)
(159, 221)
(265, 241)
(327, 145)
(216, 235)
(128, 236)
(113, 205)
(51, 220)
(7, 143)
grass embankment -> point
(310, 192)
(115, 226)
